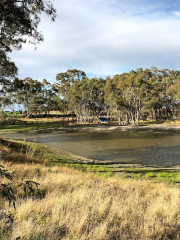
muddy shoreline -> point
(105, 128)
(112, 128)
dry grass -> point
(81, 206)
(19, 153)
(46, 120)
(173, 122)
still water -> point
(152, 147)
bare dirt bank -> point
(117, 128)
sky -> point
(104, 38)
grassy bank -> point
(29, 127)
(24, 152)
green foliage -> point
(19, 22)
(140, 95)
(67, 79)
(144, 93)
(20, 19)
(2, 115)
(35, 97)
(6, 189)
(83, 96)
(9, 188)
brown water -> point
(152, 147)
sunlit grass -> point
(78, 205)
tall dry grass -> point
(83, 206)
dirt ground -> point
(117, 128)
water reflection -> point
(152, 147)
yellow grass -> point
(173, 122)
(81, 206)
(41, 120)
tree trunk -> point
(137, 119)
(177, 114)
(119, 120)
(133, 118)
(127, 118)
(156, 114)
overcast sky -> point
(103, 38)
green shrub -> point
(9, 188)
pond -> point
(140, 146)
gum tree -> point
(19, 20)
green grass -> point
(10, 113)
(26, 127)
(150, 175)
(31, 126)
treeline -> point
(130, 97)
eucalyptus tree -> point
(152, 103)
(94, 96)
(67, 79)
(36, 97)
(140, 92)
(111, 97)
(58, 102)
(75, 99)
(64, 85)
(171, 90)
(161, 101)
(7, 95)
(48, 96)
(7, 68)
(19, 20)
(128, 93)
(175, 90)
(28, 93)
(121, 97)
(84, 96)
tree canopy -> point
(129, 97)
(19, 20)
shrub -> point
(9, 188)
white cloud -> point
(102, 37)
(176, 13)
